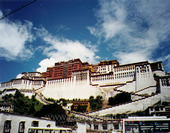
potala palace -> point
(77, 79)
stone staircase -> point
(105, 104)
(39, 96)
(138, 94)
(134, 96)
(129, 107)
(39, 90)
(140, 103)
(85, 116)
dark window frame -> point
(21, 127)
(104, 126)
(116, 126)
(96, 126)
(35, 123)
(7, 126)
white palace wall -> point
(69, 88)
(22, 84)
(26, 92)
(144, 77)
(149, 90)
(165, 88)
(128, 87)
(159, 73)
(102, 79)
(112, 79)
(122, 74)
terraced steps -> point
(137, 105)
(42, 99)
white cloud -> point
(110, 20)
(62, 49)
(62, 27)
(46, 63)
(40, 48)
(19, 76)
(133, 29)
(1, 14)
(165, 59)
(14, 36)
(131, 57)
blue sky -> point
(48, 31)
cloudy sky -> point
(48, 31)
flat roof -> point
(133, 63)
(11, 113)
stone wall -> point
(134, 106)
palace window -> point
(96, 127)
(116, 126)
(104, 126)
(21, 127)
(48, 125)
(137, 70)
(148, 68)
(34, 123)
(7, 126)
(130, 67)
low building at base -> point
(14, 123)
(82, 104)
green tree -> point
(91, 98)
(112, 101)
(99, 101)
(95, 103)
(51, 99)
(84, 107)
(18, 94)
(120, 98)
(72, 107)
(64, 103)
(22, 104)
(54, 112)
(32, 110)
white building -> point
(104, 126)
(102, 79)
(13, 123)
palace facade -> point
(77, 79)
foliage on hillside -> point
(95, 103)
(120, 98)
(61, 101)
(54, 112)
(25, 106)
(80, 108)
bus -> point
(49, 130)
(155, 124)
